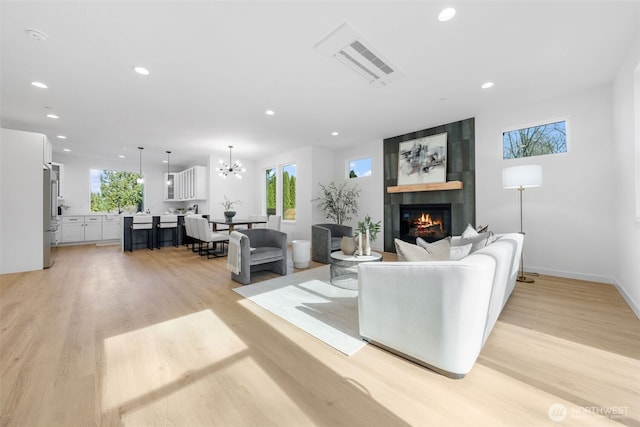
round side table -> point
(344, 268)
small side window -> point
(360, 167)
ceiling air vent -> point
(349, 48)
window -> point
(271, 190)
(289, 192)
(360, 167)
(549, 138)
(116, 191)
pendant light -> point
(230, 168)
(140, 179)
(168, 167)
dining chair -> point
(274, 222)
(209, 239)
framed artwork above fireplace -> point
(423, 160)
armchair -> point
(260, 249)
(326, 238)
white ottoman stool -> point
(301, 253)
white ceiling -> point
(216, 66)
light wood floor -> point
(157, 338)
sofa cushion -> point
(265, 254)
(444, 249)
(477, 242)
(456, 253)
(439, 249)
(409, 252)
(469, 232)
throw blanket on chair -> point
(234, 254)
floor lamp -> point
(522, 177)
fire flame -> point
(425, 221)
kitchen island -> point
(139, 240)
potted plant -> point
(338, 202)
(369, 231)
(229, 213)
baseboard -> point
(635, 307)
(572, 275)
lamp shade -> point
(522, 176)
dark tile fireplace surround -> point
(449, 211)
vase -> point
(228, 215)
(367, 244)
(348, 245)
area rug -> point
(308, 301)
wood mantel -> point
(449, 185)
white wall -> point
(371, 194)
(324, 163)
(569, 222)
(243, 189)
(305, 165)
(21, 201)
(77, 191)
(626, 173)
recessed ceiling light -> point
(39, 85)
(121, 156)
(164, 161)
(61, 137)
(66, 149)
(269, 112)
(52, 116)
(335, 133)
(487, 85)
(446, 14)
(141, 70)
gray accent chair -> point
(269, 253)
(326, 238)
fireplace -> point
(431, 222)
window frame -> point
(529, 125)
(133, 174)
(348, 166)
(281, 169)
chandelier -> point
(230, 168)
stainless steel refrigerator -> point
(49, 214)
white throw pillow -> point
(408, 252)
(477, 242)
(444, 250)
(469, 232)
(439, 249)
(458, 252)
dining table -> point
(232, 224)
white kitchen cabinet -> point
(47, 152)
(189, 184)
(170, 192)
(111, 227)
(72, 229)
(58, 168)
(92, 228)
(78, 228)
(195, 183)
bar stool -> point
(142, 223)
(168, 222)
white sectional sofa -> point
(438, 313)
